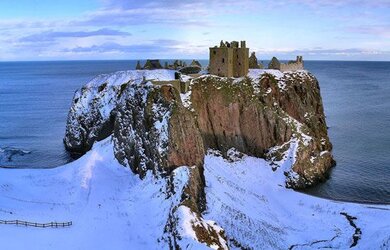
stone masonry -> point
(290, 66)
(229, 59)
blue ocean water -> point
(35, 98)
(356, 97)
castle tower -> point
(240, 60)
(229, 59)
(221, 61)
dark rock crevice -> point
(313, 243)
(358, 232)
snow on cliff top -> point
(255, 73)
(120, 77)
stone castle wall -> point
(292, 65)
(221, 61)
(229, 60)
(240, 61)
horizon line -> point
(162, 59)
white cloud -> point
(124, 26)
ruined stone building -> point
(229, 59)
(289, 66)
(253, 63)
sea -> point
(35, 98)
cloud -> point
(178, 4)
(376, 30)
(162, 45)
(196, 23)
(333, 3)
(168, 12)
(53, 35)
(160, 48)
(321, 53)
(142, 16)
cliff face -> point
(230, 114)
(297, 94)
(89, 118)
(264, 110)
(152, 130)
(265, 114)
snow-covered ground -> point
(249, 201)
(111, 208)
(137, 76)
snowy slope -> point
(110, 207)
(250, 202)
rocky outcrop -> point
(265, 110)
(196, 63)
(189, 70)
(90, 116)
(229, 115)
(274, 63)
(152, 64)
(253, 64)
(138, 66)
(152, 130)
(155, 129)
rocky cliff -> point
(264, 110)
(156, 129)
(153, 130)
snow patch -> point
(109, 206)
(248, 199)
(136, 76)
(186, 99)
(161, 126)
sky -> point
(166, 29)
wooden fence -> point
(34, 224)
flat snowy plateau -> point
(111, 208)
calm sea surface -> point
(35, 98)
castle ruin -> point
(289, 66)
(229, 59)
